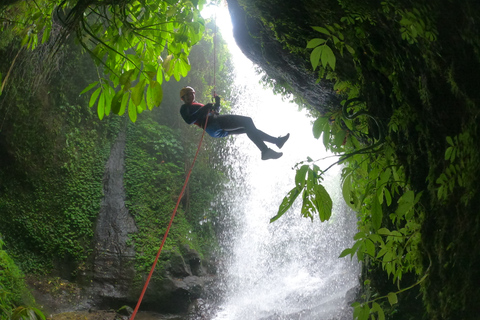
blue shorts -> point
(214, 130)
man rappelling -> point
(219, 126)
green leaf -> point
(405, 203)
(345, 253)
(286, 203)
(328, 57)
(156, 93)
(109, 94)
(101, 106)
(326, 137)
(384, 232)
(88, 88)
(132, 111)
(126, 77)
(315, 56)
(350, 49)
(323, 203)
(307, 205)
(46, 33)
(392, 298)
(370, 247)
(450, 141)
(319, 126)
(359, 235)
(300, 176)
(94, 96)
(385, 176)
(448, 153)
(159, 75)
(117, 101)
(315, 43)
(378, 309)
(123, 106)
(364, 313)
(137, 93)
(322, 30)
(388, 197)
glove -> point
(211, 107)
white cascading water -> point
(288, 269)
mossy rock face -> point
(428, 79)
(13, 289)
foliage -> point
(322, 52)
(405, 117)
(315, 198)
(137, 44)
(50, 199)
(27, 313)
(153, 179)
(53, 151)
(13, 290)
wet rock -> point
(177, 267)
(174, 295)
(259, 44)
(113, 258)
(194, 261)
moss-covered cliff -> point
(413, 68)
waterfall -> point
(288, 269)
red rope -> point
(168, 228)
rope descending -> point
(169, 226)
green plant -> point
(137, 43)
(27, 313)
(322, 52)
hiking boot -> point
(270, 154)
(282, 140)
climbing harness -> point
(169, 225)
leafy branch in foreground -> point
(137, 43)
(315, 199)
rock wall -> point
(259, 44)
(113, 261)
(172, 290)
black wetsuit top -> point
(196, 113)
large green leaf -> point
(286, 203)
(137, 92)
(132, 111)
(101, 106)
(94, 97)
(315, 43)
(323, 203)
(117, 102)
(300, 176)
(315, 56)
(319, 126)
(127, 77)
(328, 57)
(88, 88)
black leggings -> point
(234, 124)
